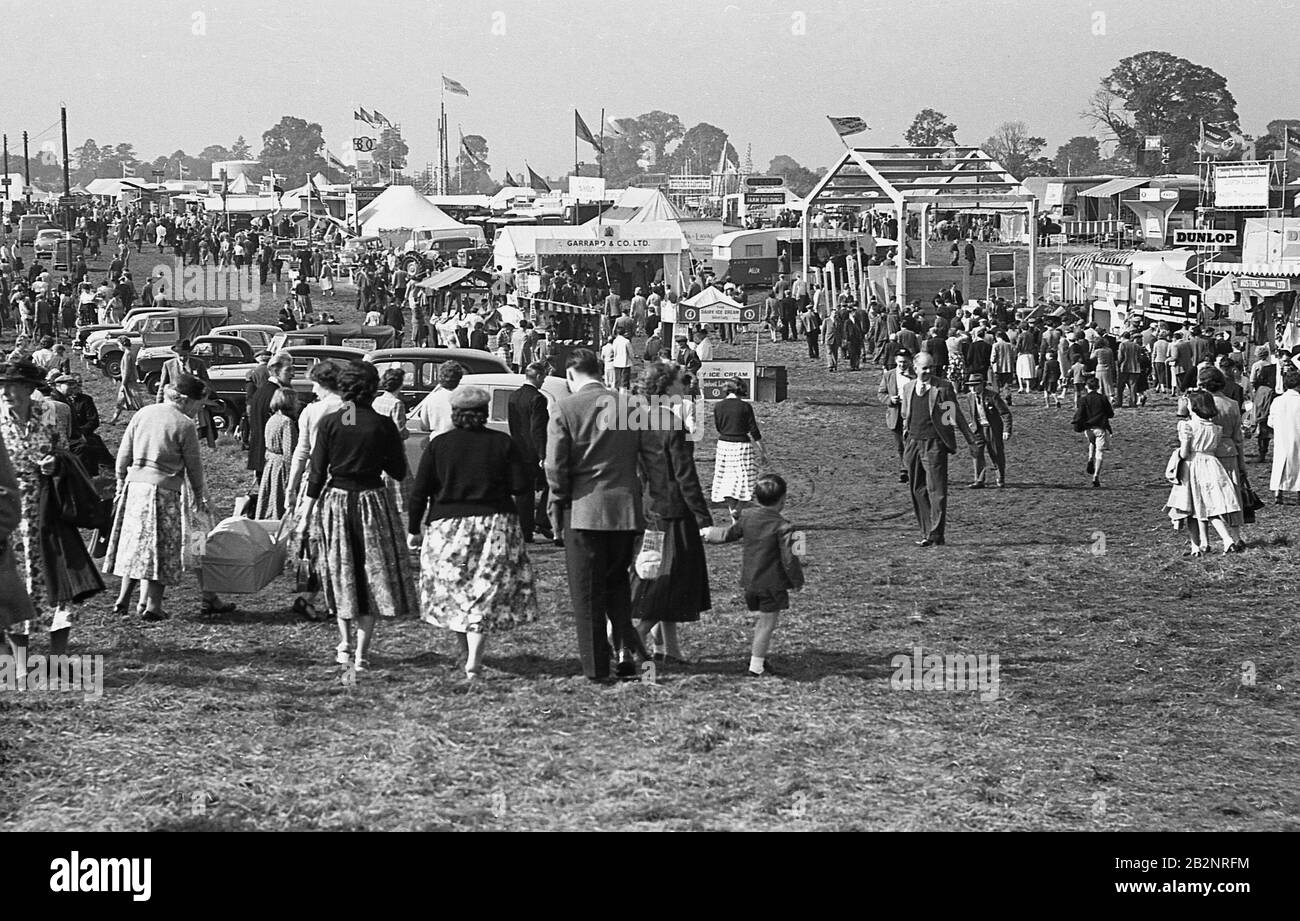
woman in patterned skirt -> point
(158, 455)
(739, 450)
(31, 431)
(365, 572)
(475, 575)
(325, 386)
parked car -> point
(85, 332)
(500, 387)
(30, 225)
(59, 247)
(354, 248)
(352, 336)
(214, 350)
(228, 380)
(421, 367)
(258, 335)
(158, 327)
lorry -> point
(157, 327)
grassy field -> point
(1125, 700)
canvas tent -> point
(401, 208)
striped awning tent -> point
(1079, 275)
(1286, 268)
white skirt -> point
(1026, 367)
(734, 472)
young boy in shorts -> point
(770, 566)
(1092, 418)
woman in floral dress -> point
(475, 575)
(32, 432)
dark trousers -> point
(992, 446)
(532, 503)
(1129, 380)
(898, 446)
(814, 349)
(789, 321)
(927, 474)
(623, 378)
(600, 589)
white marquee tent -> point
(402, 208)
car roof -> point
(332, 351)
(558, 388)
(430, 354)
(261, 327)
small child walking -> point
(1079, 376)
(770, 567)
(1051, 372)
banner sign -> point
(630, 245)
(765, 198)
(1205, 239)
(1111, 281)
(713, 376)
(587, 188)
(1054, 195)
(1241, 185)
(1173, 305)
(690, 183)
(1271, 285)
(718, 313)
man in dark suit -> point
(1129, 365)
(931, 417)
(890, 392)
(990, 418)
(979, 353)
(528, 415)
(259, 408)
(591, 468)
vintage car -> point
(214, 350)
(228, 380)
(347, 335)
(500, 386)
(421, 367)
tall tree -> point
(215, 153)
(392, 148)
(240, 149)
(930, 128)
(625, 153)
(1079, 156)
(700, 151)
(798, 179)
(1157, 93)
(293, 148)
(1016, 149)
(660, 129)
(1271, 142)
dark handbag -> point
(1250, 501)
(77, 501)
(306, 576)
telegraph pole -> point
(27, 171)
(67, 186)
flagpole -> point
(575, 161)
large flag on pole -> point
(845, 125)
(1219, 139)
(452, 86)
(584, 133)
(536, 181)
(379, 117)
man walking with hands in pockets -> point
(931, 418)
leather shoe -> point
(626, 671)
(902, 478)
(924, 542)
(974, 485)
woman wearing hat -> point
(32, 433)
(366, 571)
(475, 575)
(158, 455)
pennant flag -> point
(381, 119)
(1219, 139)
(334, 161)
(536, 181)
(1292, 136)
(584, 133)
(451, 86)
(847, 124)
(357, 116)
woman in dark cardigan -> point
(677, 508)
(475, 575)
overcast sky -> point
(168, 75)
